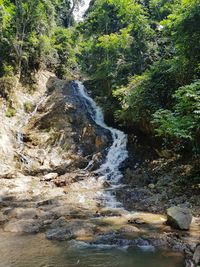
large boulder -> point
(179, 218)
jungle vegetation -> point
(142, 58)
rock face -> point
(62, 136)
(179, 218)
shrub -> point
(28, 107)
(11, 112)
(183, 122)
(7, 85)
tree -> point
(183, 122)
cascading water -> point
(117, 153)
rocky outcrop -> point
(63, 230)
(55, 188)
(179, 218)
(61, 137)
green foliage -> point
(147, 93)
(143, 57)
(28, 31)
(117, 42)
(183, 27)
(8, 70)
(28, 107)
(160, 9)
(146, 55)
(184, 121)
(11, 112)
(7, 85)
(64, 44)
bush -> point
(7, 85)
(8, 70)
(28, 107)
(183, 122)
(147, 93)
(11, 112)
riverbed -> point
(36, 251)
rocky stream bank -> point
(48, 182)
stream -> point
(109, 248)
(116, 155)
(35, 251)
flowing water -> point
(35, 251)
(104, 250)
(117, 153)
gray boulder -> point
(179, 218)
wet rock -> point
(81, 228)
(179, 218)
(136, 199)
(59, 233)
(59, 230)
(196, 256)
(23, 226)
(106, 184)
(130, 229)
(69, 106)
(189, 263)
(100, 142)
(110, 213)
(95, 162)
(65, 230)
(136, 221)
(116, 239)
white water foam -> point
(117, 153)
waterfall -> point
(117, 153)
